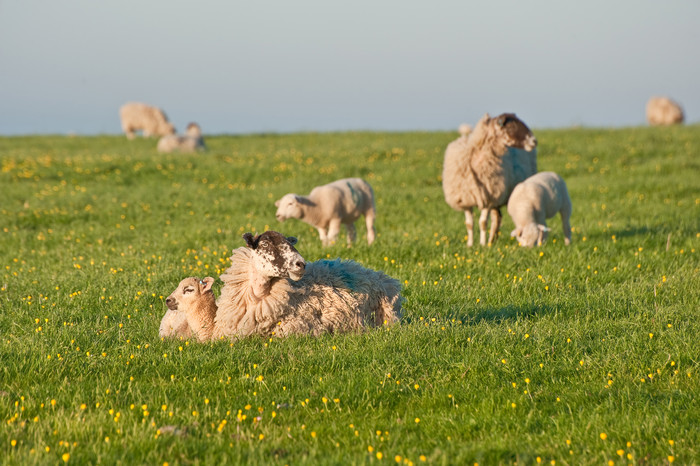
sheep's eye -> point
(188, 290)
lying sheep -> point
(326, 207)
(533, 201)
(152, 121)
(192, 141)
(664, 111)
(174, 323)
(270, 290)
(482, 168)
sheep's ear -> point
(277, 203)
(501, 120)
(207, 283)
(292, 240)
(543, 228)
(250, 240)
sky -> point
(66, 66)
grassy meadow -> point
(587, 354)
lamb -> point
(192, 141)
(329, 206)
(482, 168)
(664, 111)
(151, 120)
(270, 290)
(533, 201)
(191, 292)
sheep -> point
(151, 120)
(190, 290)
(329, 206)
(192, 141)
(482, 168)
(664, 111)
(533, 201)
(270, 290)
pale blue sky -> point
(281, 66)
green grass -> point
(505, 354)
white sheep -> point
(533, 201)
(192, 141)
(152, 121)
(174, 323)
(329, 206)
(482, 168)
(664, 111)
(270, 290)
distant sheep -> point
(151, 121)
(329, 206)
(533, 201)
(664, 111)
(270, 290)
(192, 141)
(482, 168)
(189, 293)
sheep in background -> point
(464, 129)
(329, 206)
(481, 170)
(270, 290)
(664, 111)
(533, 201)
(192, 141)
(152, 121)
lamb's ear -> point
(501, 120)
(292, 240)
(207, 283)
(250, 240)
(277, 203)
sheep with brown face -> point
(191, 141)
(152, 121)
(482, 168)
(192, 295)
(662, 111)
(271, 290)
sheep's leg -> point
(495, 224)
(352, 233)
(566, 226)
(369, 221)
(333, 230)
(469, 221)
(483, 224)
(324, 237)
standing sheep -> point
(533, 201)
(152, 121)
(664, 111)
(482, 168)
(270, 290)
(326, 207)
(192, 141)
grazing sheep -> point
(270, 290)
(326, 207)
(481, 170)
(191, 292)
(152, 121)
(192, 141)
(664, 111)
(533, 201)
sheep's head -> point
(274, 255)
(167, 128)
(513, 132)
(190, 290)
(531, 234)
(288, 207)
(193, 130)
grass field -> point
(587, 354)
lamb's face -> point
(288, 207)
(514, 132)
(274, 255)
(532, 234)
(189, 291)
